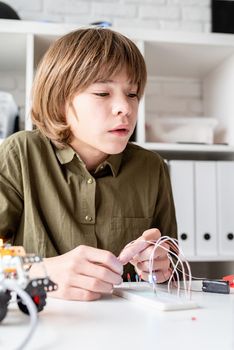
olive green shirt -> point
(50, 203)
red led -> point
(230, 279)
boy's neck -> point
(92, 164)
(92, 158)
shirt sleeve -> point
(11, 198)
(164, 217)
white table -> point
(113, 323)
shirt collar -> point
(114, 162)
(67, 154)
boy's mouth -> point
(120, 131)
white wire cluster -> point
(178, 263)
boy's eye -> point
(102, 94)
(132, 95)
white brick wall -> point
(24, 5)
(171, 97)
(188, 15)
(174, 95)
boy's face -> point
(106, 114)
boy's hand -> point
(138, 254)
(84, 273)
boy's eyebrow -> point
(109, 81)
(103, 81)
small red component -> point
(193, 318)
(36, 299)
(230, 279)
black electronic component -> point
(216, 286)
(222, 12)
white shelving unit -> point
(207, 58)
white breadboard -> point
(142, 292)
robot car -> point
(15, 265)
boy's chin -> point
(115, 149)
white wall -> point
(186, 15)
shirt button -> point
(90, 181)
(88, 218)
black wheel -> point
(39, 300)
(4, 300)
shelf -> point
(35, 27)
(13, 56)
(41, 45)
(198, 148)
(189, 60)
(184, 55)
(170, 151)
(194, 54)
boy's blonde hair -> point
(71, 64)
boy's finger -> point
(130, 251)
(102, 257)
(139, 245)
(151, 234)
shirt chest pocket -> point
(125, 230)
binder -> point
(205, 208)
(225, 200)
(182, 180)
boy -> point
(74, 190)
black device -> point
(7, 12)
(216, 286)
(222, 14)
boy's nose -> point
(122, 108)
